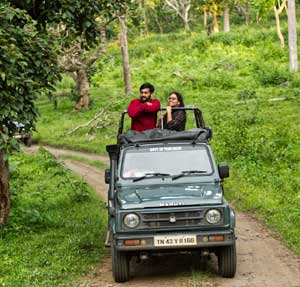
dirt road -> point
(263, 261)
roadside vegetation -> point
(248, 96)
(57, 225)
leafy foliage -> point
(79, 17)
(27, 60)
(268, 75)
(29, 54)
(263, 6)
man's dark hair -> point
(147, 86)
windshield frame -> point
(167, 144)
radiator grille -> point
(172, 219)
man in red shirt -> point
(143, 111)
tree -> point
(293, 55)
(213, 7)
(263, 7)
(205, 14)
(79, 17)
(243, 9)
(76, 60)
(142, 10)
(27, 58)
(29, 67)
(182, 8)
(214, 11)
(278, 8)
(226, 18)
(153, 5)
(227, 5)
(125, 57)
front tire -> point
(227, 261)
(120, 265)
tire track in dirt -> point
(263, 261)
(57, 152)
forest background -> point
(230, 58)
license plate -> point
(175, 240)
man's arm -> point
(135, 108)
(153, 106)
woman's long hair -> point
(179, 98)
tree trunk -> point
(257, 18)
(186, 25)
(143, 9)
(157, 21)
(247, 13)
(279, 34)
(4, 190)
(125, 57)
(226, 19)
(185, 16)
(83, 86)
(204, 19)
(292, 36)
(182, 9)
(215, 22)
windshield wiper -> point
(150, 175)
(188, 172)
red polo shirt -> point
(143, 116)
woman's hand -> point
(169, 114)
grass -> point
(201, 279)
(56, 228)
(232, 77)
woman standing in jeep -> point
(174, 119)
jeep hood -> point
(166, 196)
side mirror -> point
(107, 176)
(223, 170)
(112, 150)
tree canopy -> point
(28, 52)
(27, 59)
(78, 16)
(28, 62)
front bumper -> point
(202, 240)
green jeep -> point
(166, 194)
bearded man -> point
(143, 111)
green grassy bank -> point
(57, 225)
(234, 78)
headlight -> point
(213, 216)
(131, 220)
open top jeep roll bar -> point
(197, 113)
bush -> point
(244, 37)
(271, 75)
(221, 80)
(246, 94)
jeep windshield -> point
(165, 161)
